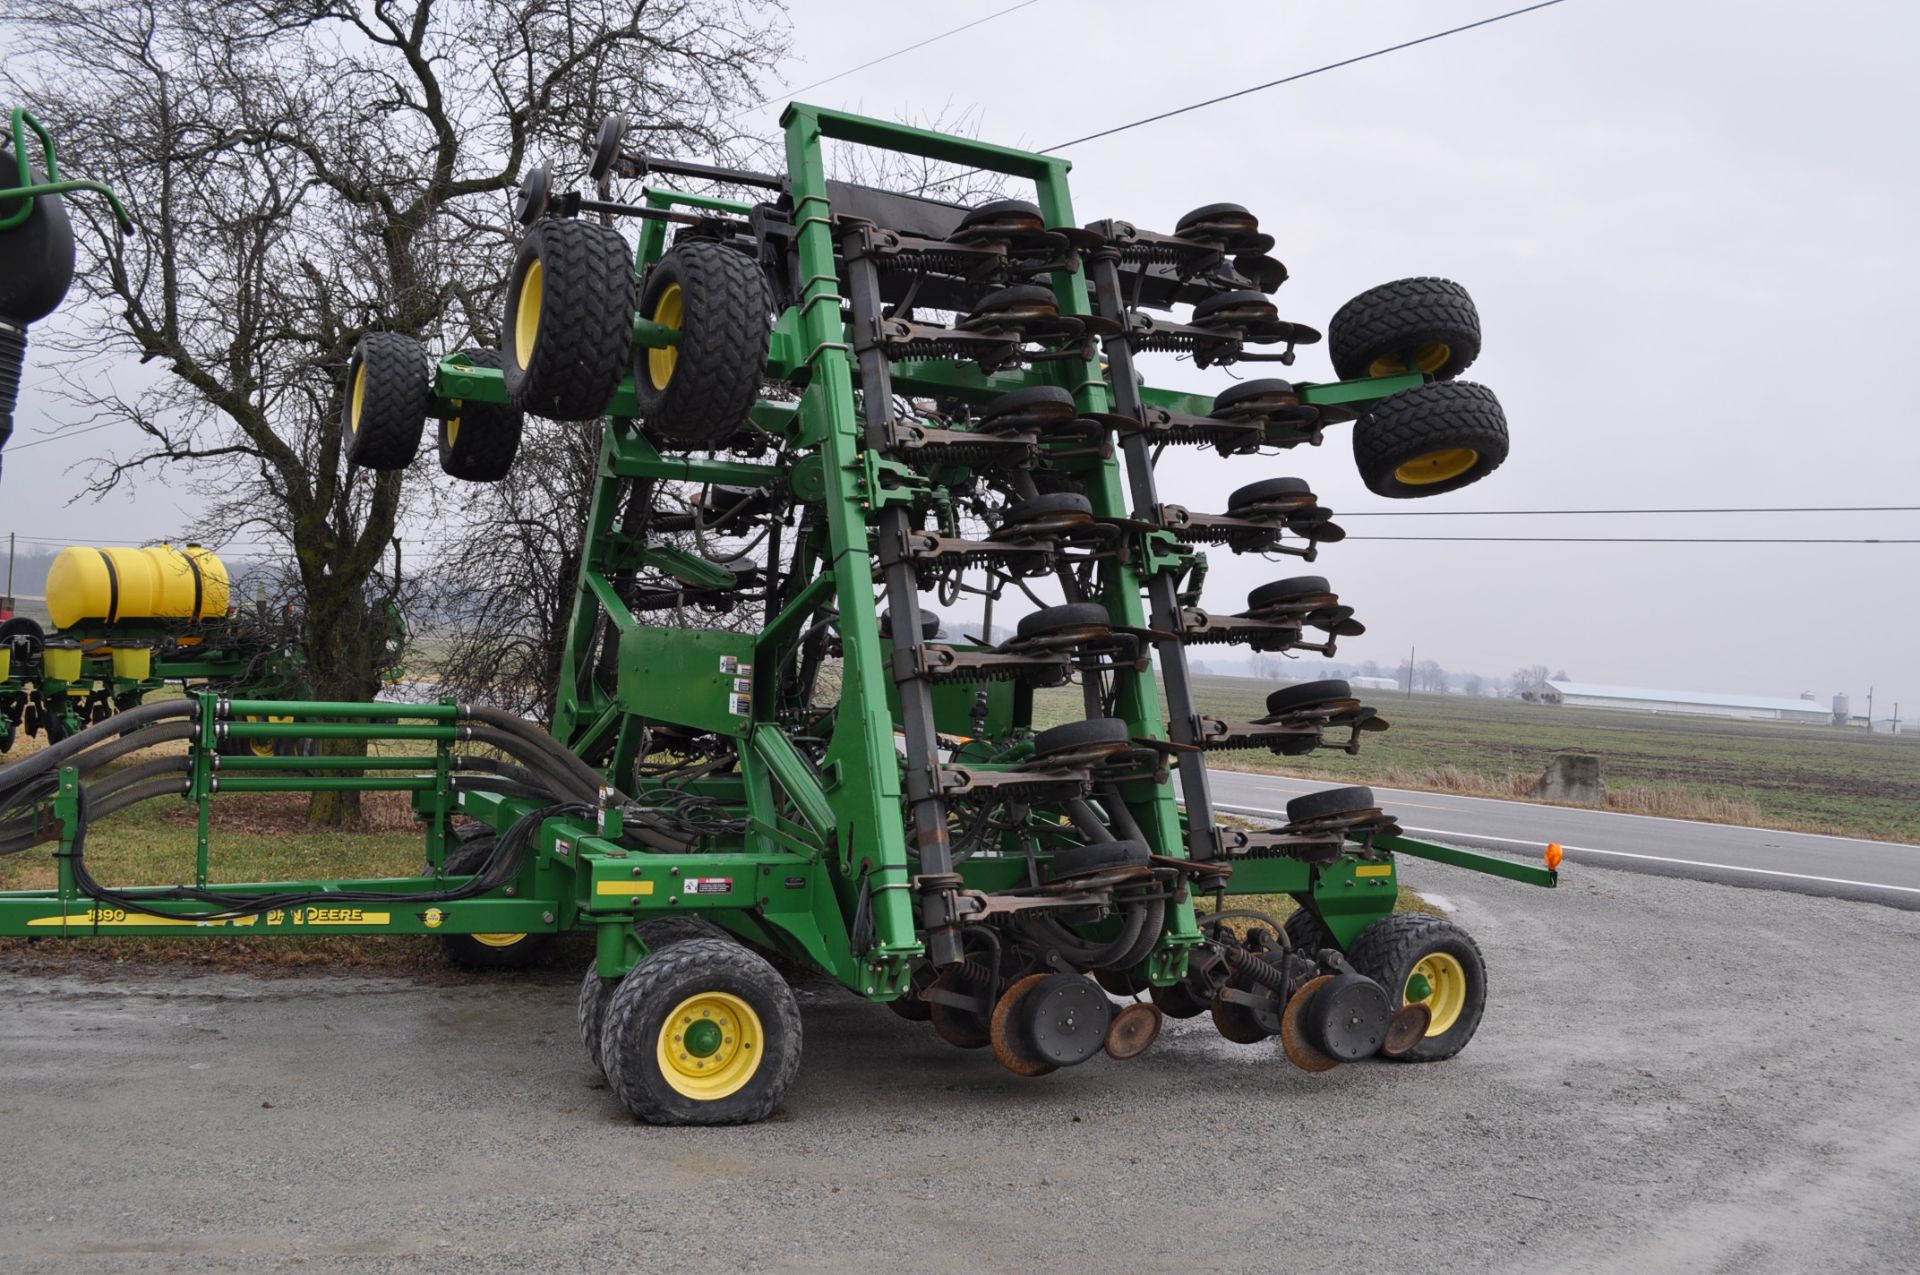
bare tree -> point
(1529, 676)
(305, 171)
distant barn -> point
(1704, 703)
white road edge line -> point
(1620, 854)
(1576, 811)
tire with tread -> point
(1419, 426)
(1398, 322)
(478, 441)
(1077, 735)
(567, 357)
(1307, 933)
(1387, 952)
(1330, 801)
(697, 394)
(383, 414)
(466, 950)
(1287, 591)
(637, 1013)
(1306, 694)
(1074, 615)
(1267, 489)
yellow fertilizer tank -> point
(158, 583)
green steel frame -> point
(825, 851)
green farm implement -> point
(824, 410)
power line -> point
(1509, 513)
(60, 434)
(1301, 75)
(888, 57)
(1650, 540)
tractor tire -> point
(697, 394)
(563, 347)
(1395, 948)
(590, 1009)
(1306, 932)
(479, 441)
(389, 393)
(704, 1032)
(1410, 325)
(1330, 801)
(1307, 694)
(1430, 440)
(1288, 590)
(488, 951)
(655, 933)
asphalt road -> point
(1671, 1076)
(1842, 867)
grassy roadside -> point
(1762, 774)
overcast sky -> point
(1690, 229)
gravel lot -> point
(1672, 1076)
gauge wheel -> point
(478, 441)
(1429, 440)
(569, 323)
(703, 1032)
(1428, 960)
(389, 393)
(488, 951)
(697, 392)
(1409, 325)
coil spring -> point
(1256, 970)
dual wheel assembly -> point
(1439, 436)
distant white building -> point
(1704, 703)
(1374, 683)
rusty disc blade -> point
(1407, 1028)
(1293, 1037)
(1009, 1050)
(1133, 1031)
(961, 1028)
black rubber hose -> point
(1086, 820)
(56, 755)
(526, 730)
(1085, 955)
(563, 781)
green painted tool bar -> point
(326, 783)
(341, 730)
(1492, 864)
(334, 708)
(327, 763)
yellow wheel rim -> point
(498, 940)
(1446, 997)
(453, 422)
(265, 747)
(359, 397)
(526, 316)
(1437, 467)
(710, 1046)
(669, 313)
(1427, 358)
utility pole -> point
(1869, 710)
(1895, 723)
(1410, 655)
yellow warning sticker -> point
(1374, 870)
(623, 887)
